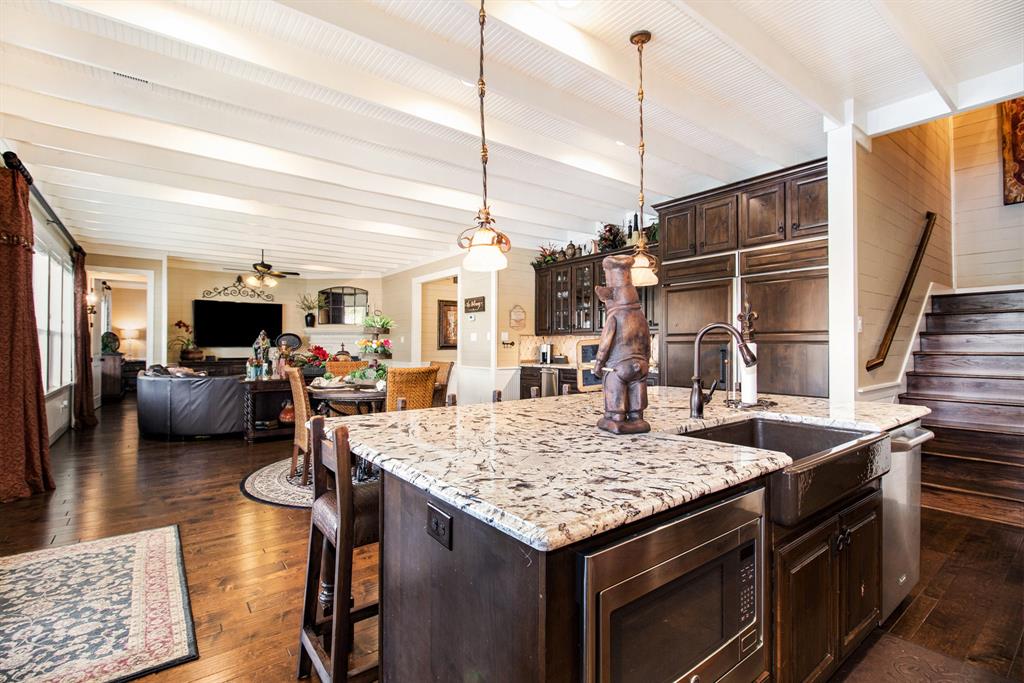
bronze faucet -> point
(698, 399)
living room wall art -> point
(237, 288)
(1011, 120)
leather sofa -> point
(189, 406)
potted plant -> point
(313, 362)
(311, 303)
(547, 255)
(186, 342)
(377, 323)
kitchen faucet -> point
(697, 396)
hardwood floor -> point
(245, 560)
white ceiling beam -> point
(187, 26)
(212, 147)
(736, 30)
(392, 32)
(40, 35)
(899, 16)
(619, 65)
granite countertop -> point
(540, 470)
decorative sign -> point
(475, 304)
(517, 317)
(237, 288)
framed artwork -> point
(1011, 125)
(447, 324)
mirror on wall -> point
(343, 306)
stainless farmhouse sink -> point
(828, 463)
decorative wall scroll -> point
(237, 288)
(517, 317)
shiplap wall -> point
(989, 236)
(515, 286)
(904, 175)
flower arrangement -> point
(548, 254)
(379, 346)
(185, 340)
(316, 356)
(378, 373)
(311, 303)
(610, 238)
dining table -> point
(365, 399)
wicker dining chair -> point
(303, 412)
(415, 385)
(444, 373)
(343, 368)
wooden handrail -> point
(901, 303)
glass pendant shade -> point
(270, 282)
(252, 280)
(642, 272)
(485, 253)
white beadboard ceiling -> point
(342, 137)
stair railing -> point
(901, 303)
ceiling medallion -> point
(485, 245)
(645, 265)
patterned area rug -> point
(107, 610)
(273, 484)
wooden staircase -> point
(970, 372)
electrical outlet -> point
(439, 526)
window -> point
(343, 306)
(53, 291)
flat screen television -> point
(233, 323)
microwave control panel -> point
(748, 582)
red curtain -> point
(85, 410)
(24, 439)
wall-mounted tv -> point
(233, 323)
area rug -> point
(108, 610)
(273, 484)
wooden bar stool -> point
(534, 392)
(345, 515)
(450, 400)
(565, 389)
(496, 396)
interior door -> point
(717, 224)
(763, 215)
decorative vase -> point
(287, 414)
(192, 354)
(570, 250)
(311, 320)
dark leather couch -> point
(189, 406)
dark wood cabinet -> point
(542, 302)
(561, 300)
(717, 225)
(807, 204)
(827, 590)
(687, 308)
(111, 383)
(528, 378)
(678, 229)
(583, 297)
(806, 646)
(860, 571)
(763, 215)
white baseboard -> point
(880, 393)
(986, 288)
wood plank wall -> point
(989, 236)
(905, 174)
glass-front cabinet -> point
(583, 297)
(561, 309)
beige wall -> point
(128, 312)
(397, 293)
(475, 334)
(989, 239)
(906, 174)
(184, 285)
(432, 292)
(105, 261)
(515, 287)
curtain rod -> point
(12, 162)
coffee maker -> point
(545, 353)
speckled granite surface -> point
(540, 471)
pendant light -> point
(645, 266)
(485, 245)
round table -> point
(365, 399)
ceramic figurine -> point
(624, 353)
(261, 347)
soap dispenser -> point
(748, 376)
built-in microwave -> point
(683, 601)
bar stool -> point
(565, 389)
(496, 396)
(534, 392)
(345, 515)
(450, 400)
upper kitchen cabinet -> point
(763, 214)
(583, 297)
(542, 306)
(716, 225)
(561, 300)
(807, 203)
(679, 232)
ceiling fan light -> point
(270, 281)
(253, 280)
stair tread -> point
(972, 426)
(961, 375)
(969, 353)
(1000, 310)
(983, 400)
(1013, 289)
(973, 333)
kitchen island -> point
(488, 510)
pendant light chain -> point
(481, 87)
(645, 264)
(640, 99)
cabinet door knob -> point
(782, 229)
(796, 225)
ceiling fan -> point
(262, 274)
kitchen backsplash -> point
(562, 345)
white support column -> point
(842, 261)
